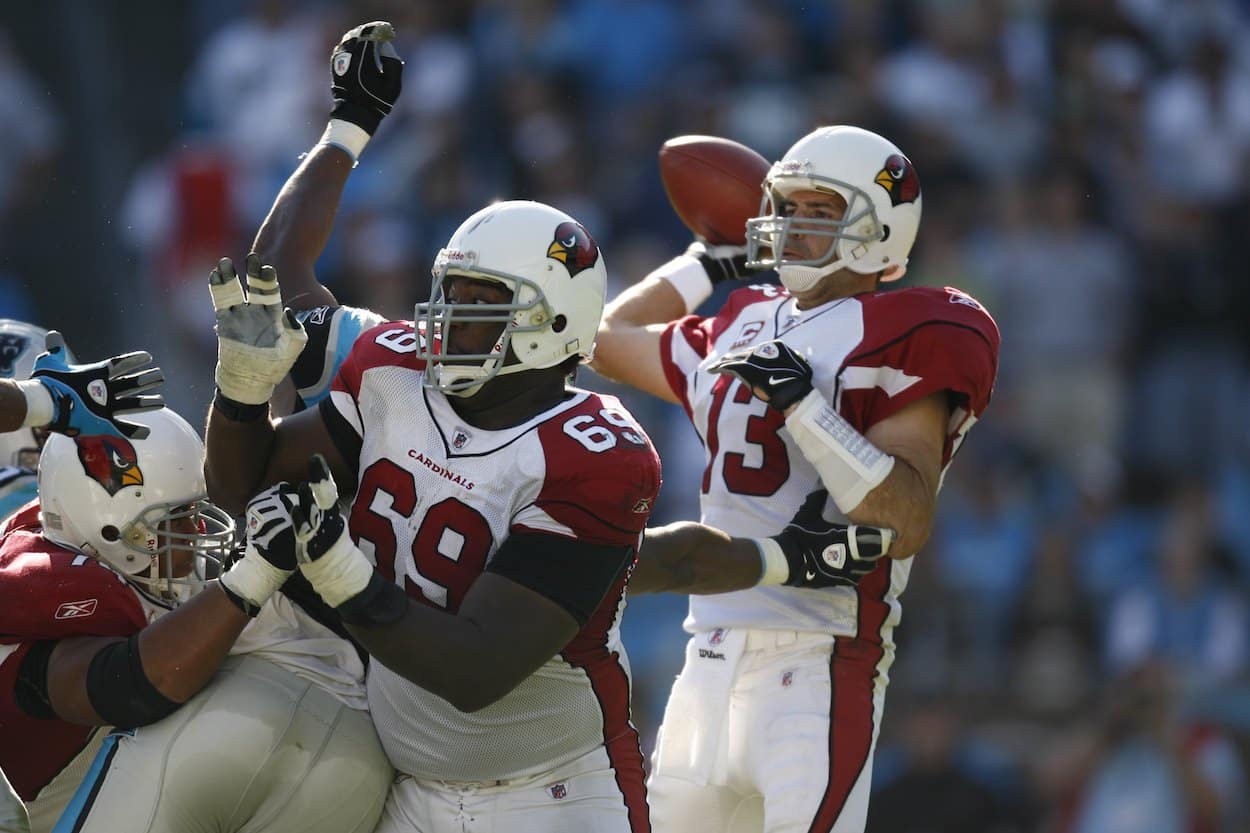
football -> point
(713, 184)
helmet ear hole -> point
(559, 323)
(110, 533)
(885, 233)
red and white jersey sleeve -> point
(392, 344)
(49, 593)
(919, 342)
(871, 356)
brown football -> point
(714, 185)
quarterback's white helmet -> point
(558, 281)
(882, 216)
(138, 505)
(20, 345)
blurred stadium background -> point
(1075, 640)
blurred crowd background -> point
(1075, 640)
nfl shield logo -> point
(717, 637)
(342, 61)
(787, 679)
(558, 791)
(459, 439)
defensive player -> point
(31, 408)
(774, 718)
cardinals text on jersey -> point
(435, 500)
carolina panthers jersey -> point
(331, 333)
(436, 499)
(18, 486)
(871, 355)
(48, 592)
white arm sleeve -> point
(849, 465)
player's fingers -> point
(302, 511)
(138, 382)
(262, 282)
(132, 430)
(53, 342)
(321, 482)
(138, 404)
(224, 286)
(126, 362)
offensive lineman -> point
(867, 393)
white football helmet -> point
(558, 281)
(882, 216)
(140, 506)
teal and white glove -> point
(75, 399)
(257, 340)
(331, 561)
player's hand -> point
(87, 398)
(721, 263)
(257, 340)
(270, 557)
(773, 371)
(366, 75)
(825, 554)
(329, 559)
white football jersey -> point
(871, 355)
(436, 498)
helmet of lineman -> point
(875, 233)
(558, 280)
(20, 345)
(140, 506)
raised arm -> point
(627, 348)
(366, 77)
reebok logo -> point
(76, 610)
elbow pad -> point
(121, 692)
(849, 465)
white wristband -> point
(349, 137)
(774, 568)
(253, 578)
(849, 465)
(39, 406)
(686, 274)
(341, 573)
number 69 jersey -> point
(871, 356)
(437, 497)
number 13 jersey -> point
(871, 356)
(437, 497)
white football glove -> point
(257, 341)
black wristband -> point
(380, 603)
(238, 411)
(366, 118)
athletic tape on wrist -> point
(849, 465)
(351, 138)
(253, 579)
(340, 574)
(39, 406)
(774, 568)
(686, 274)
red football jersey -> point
(46, 593)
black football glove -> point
(270, 557)
(366, 75)
(772, 367)
(825, 554)
(335, 567)
(87, 398)
(721, 263)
